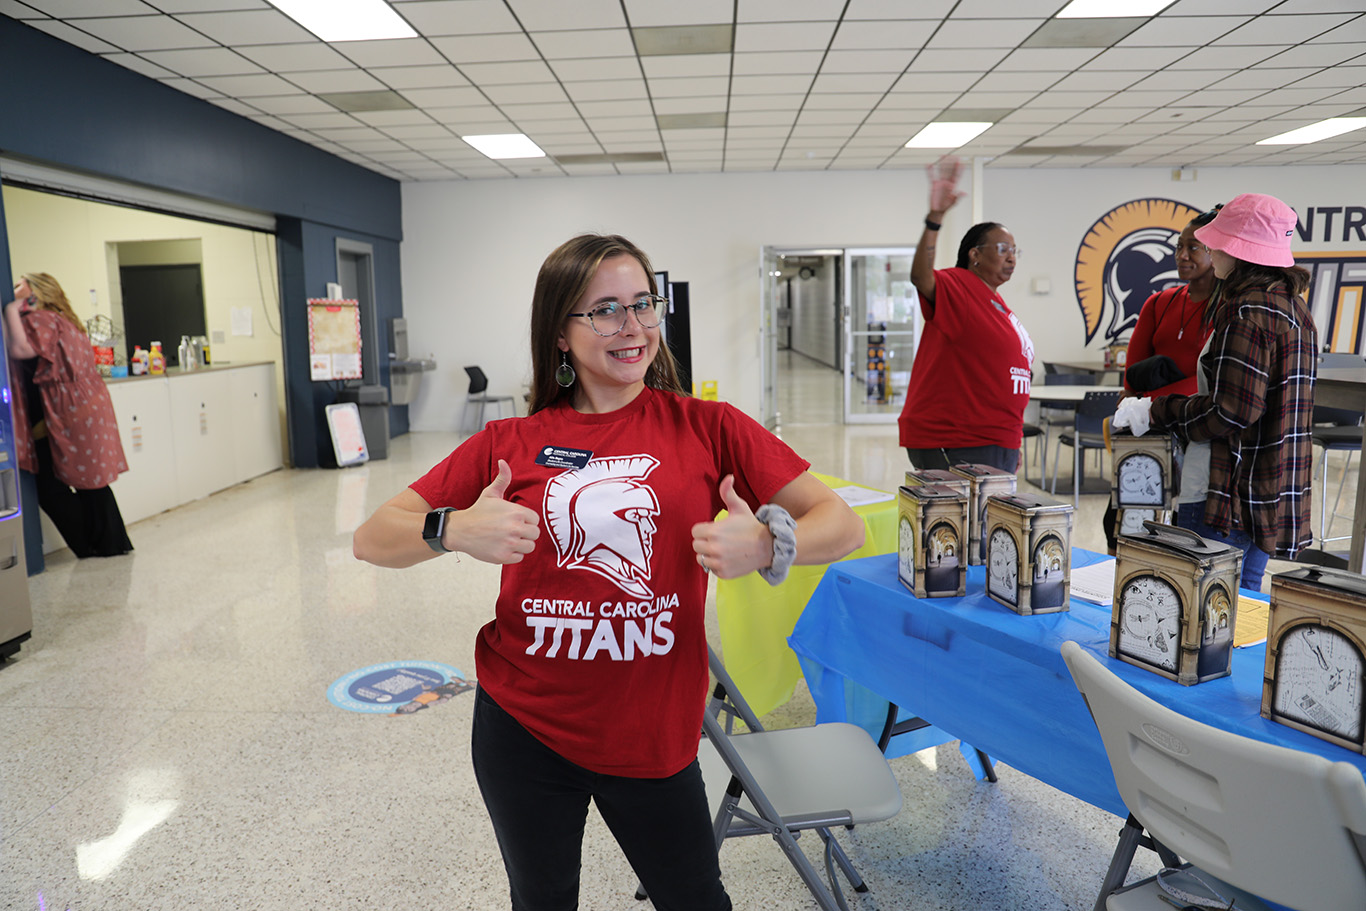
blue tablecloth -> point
(996, 680)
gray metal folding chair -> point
(782, 782)
(1255, 821)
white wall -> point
(472, 249)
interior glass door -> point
(881, 329)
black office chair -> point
(479, 396)
(1088, 432)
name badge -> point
(563, 457)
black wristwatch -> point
(434, 530)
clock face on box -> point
(1140, 481)
(1003, 565)
(1150, 622)
(1318, 680)
(906, 551)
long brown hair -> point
(50, 296)
(1247, 276)
(562, 281)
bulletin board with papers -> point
(333, 339)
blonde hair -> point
(50, 296)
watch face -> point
(1003, 565)
(906, 552)
(1140, 481)
(1131, 520)
(1150, 622)
(1318, 680)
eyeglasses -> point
(1003, 248)
(1192, 249)
(609, 318)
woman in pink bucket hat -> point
(1246, 478)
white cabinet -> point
(148, 486)
(255, 421)
(201, 414)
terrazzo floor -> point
(170, 745)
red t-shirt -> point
(971, 377)
(1171, 323)
(598, 645)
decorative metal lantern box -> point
(939, 477)
(1029, 553)
(986, 481)
(1176, 599)
(1315, 642)
(932, 534)
(1144, 477)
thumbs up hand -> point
(736, 545)
(494, 530)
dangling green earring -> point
(564, 374)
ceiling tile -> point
(523, 71)
(975, 99)
(1129, 58)
(622, 124)
(610, 42)
(384, 119)
(867, 61)
(787, 36)
(292, 104)
(854, 82)
(1353, 32)
(140, 65)
(265, 26)
(766, 63)
(394, 52)
(678, 65)
(1311, 55)
(760, 118)
(1034, 82)
(288, 58)
(788, 10)
(849, 119)
(983, 33)
(868, 35)
(1339, 76)
(250, 85)
(444, 97)
(1227, 59)
(77, 9)
(1283, 30)
(1110, 80)
(459, 17)
(963, 61)
(606, 89)
(704, 105)
(590, 70)
(1191, 80)
(769, 85)
(144, 33)
(333, 81)
(487, 49)
(1075, 101)
(211, 61)
(652, 13)
(525, 93)
(321, 122)
(991, 9)
(1166, 31)
(591, 109)
(840, 101)
(762, 102)
(190, 87)
(537, 15)
(1051, 58)
(682, 88)
(419, 77)
(200, 6)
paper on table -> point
(1095, 583)
(1250, 625)
(862, 496)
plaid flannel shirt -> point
(1259, 369)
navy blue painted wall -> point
(65, 107)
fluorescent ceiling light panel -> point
(1111, 9)
(346, 20)
(1324, 129)
(947, 135)
(499, 146)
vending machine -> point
(16, 615)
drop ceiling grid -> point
(808, 83)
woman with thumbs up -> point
(600, 506)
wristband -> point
(932, 225)
(784, 530)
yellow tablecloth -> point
(756, 618)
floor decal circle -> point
(397, 687)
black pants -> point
(89, 520)
(995, 456)
(538, 802)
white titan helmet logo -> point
(602, 519)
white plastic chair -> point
(1251, 818)
(781, 782)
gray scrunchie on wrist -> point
(784, 530)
